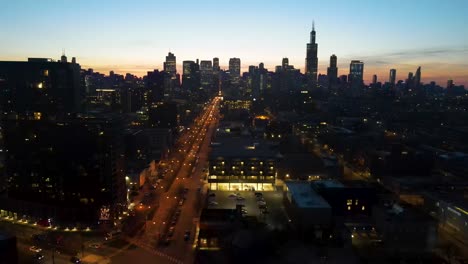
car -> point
(35, 249)
(213, 203)
(240, 198)
(187, 235)
(38, 256)
(95, 245)
(171, 231)
(75, 260)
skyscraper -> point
(332, 71)
(206, 74)
(392, 77)
(285, 63)
(216, 64)
(374, 79)
(356, 72)
(234, 69)
(417, 77)
(311, 59)
(170, 64)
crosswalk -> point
(154, 251)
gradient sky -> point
(135, 36)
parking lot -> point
(272, 213)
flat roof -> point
(242, 147)
(304, 196)
(328, 184)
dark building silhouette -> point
(311, 67)
(332, 71)
(392, 77)
(40, 87)
(155, 84)
(374, 79)
(65, 169)
(356, 72)
(417, 78)
(191, 76)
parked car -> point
(213, 203)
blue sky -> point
(134, 36)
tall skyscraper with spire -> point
(311, 59)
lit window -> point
(349, 208)
(46, 73)
(363, 208)
(39, 85)
(37, 115)
(349, 202)
(357, 201)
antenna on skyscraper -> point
(313, 24)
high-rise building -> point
(191, 75)
(234, 69)
(206, 74)
(216, 65)
(449, 84)
(417, 77)
(285, 63)
(41, 87)
(356, 72)
(311, 59)
(374, 79)
(392, 77)
(332, 71)
(170, 64)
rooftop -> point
(304, 196)
(242, 147)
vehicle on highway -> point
(75, 260)
(35, 249)
(38, 256)
(181, 202)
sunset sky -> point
(135, 36)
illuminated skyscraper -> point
(356, 71)
(234, 69)
(332, 71)
(392, 77)
(170, 64)
(206, 74)
(311, 59)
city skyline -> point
(138, 40)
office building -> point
(332, 71)
(170, 64)
(216, 67)
(374, 79)
(238, 163)
(206, 74)
(311, 66)
(191, 76)
(392, 77)
(234, 69)
(356, 72)
(417, 78)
